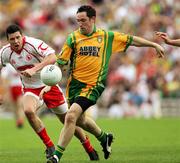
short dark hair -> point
(12, 29)
(90, 11)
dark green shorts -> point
(76, 89)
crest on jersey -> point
(99, 39)
(13, 62)
(28, 57)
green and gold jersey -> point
(89, 55)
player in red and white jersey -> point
(14, 96)
(32, 53)
(28, 56)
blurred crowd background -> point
(138, 81)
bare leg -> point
(19, 115)
(30, 104)
(73, 115)
(70, 125)
(79, 133)
(68, 130)
(89, 125)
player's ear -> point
(93, 18)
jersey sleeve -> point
(121, 42)
(42, 48)
(64, 56)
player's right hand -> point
(44, 90)
(160, 51)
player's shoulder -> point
(32, 40)
(76, 34)
(71, 38)
(5, 49)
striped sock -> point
(59, 151)
(45, 138)
(87, 145)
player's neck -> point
(93, 30)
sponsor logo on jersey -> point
(89, 51)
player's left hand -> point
(44, 90)
(160, 51)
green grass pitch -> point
(136, 141)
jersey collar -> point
(90, 34)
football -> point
(51, 75)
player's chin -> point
(16, 47)
(83, 31)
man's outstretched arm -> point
(141, 42)
(167, 40)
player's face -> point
(16, 40)
(85, 23)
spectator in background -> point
(14, 93)
(172, 77)
(2, 90)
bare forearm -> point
(141, 42)
(51, 59)
(174, 42)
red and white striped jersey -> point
(32, 53)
